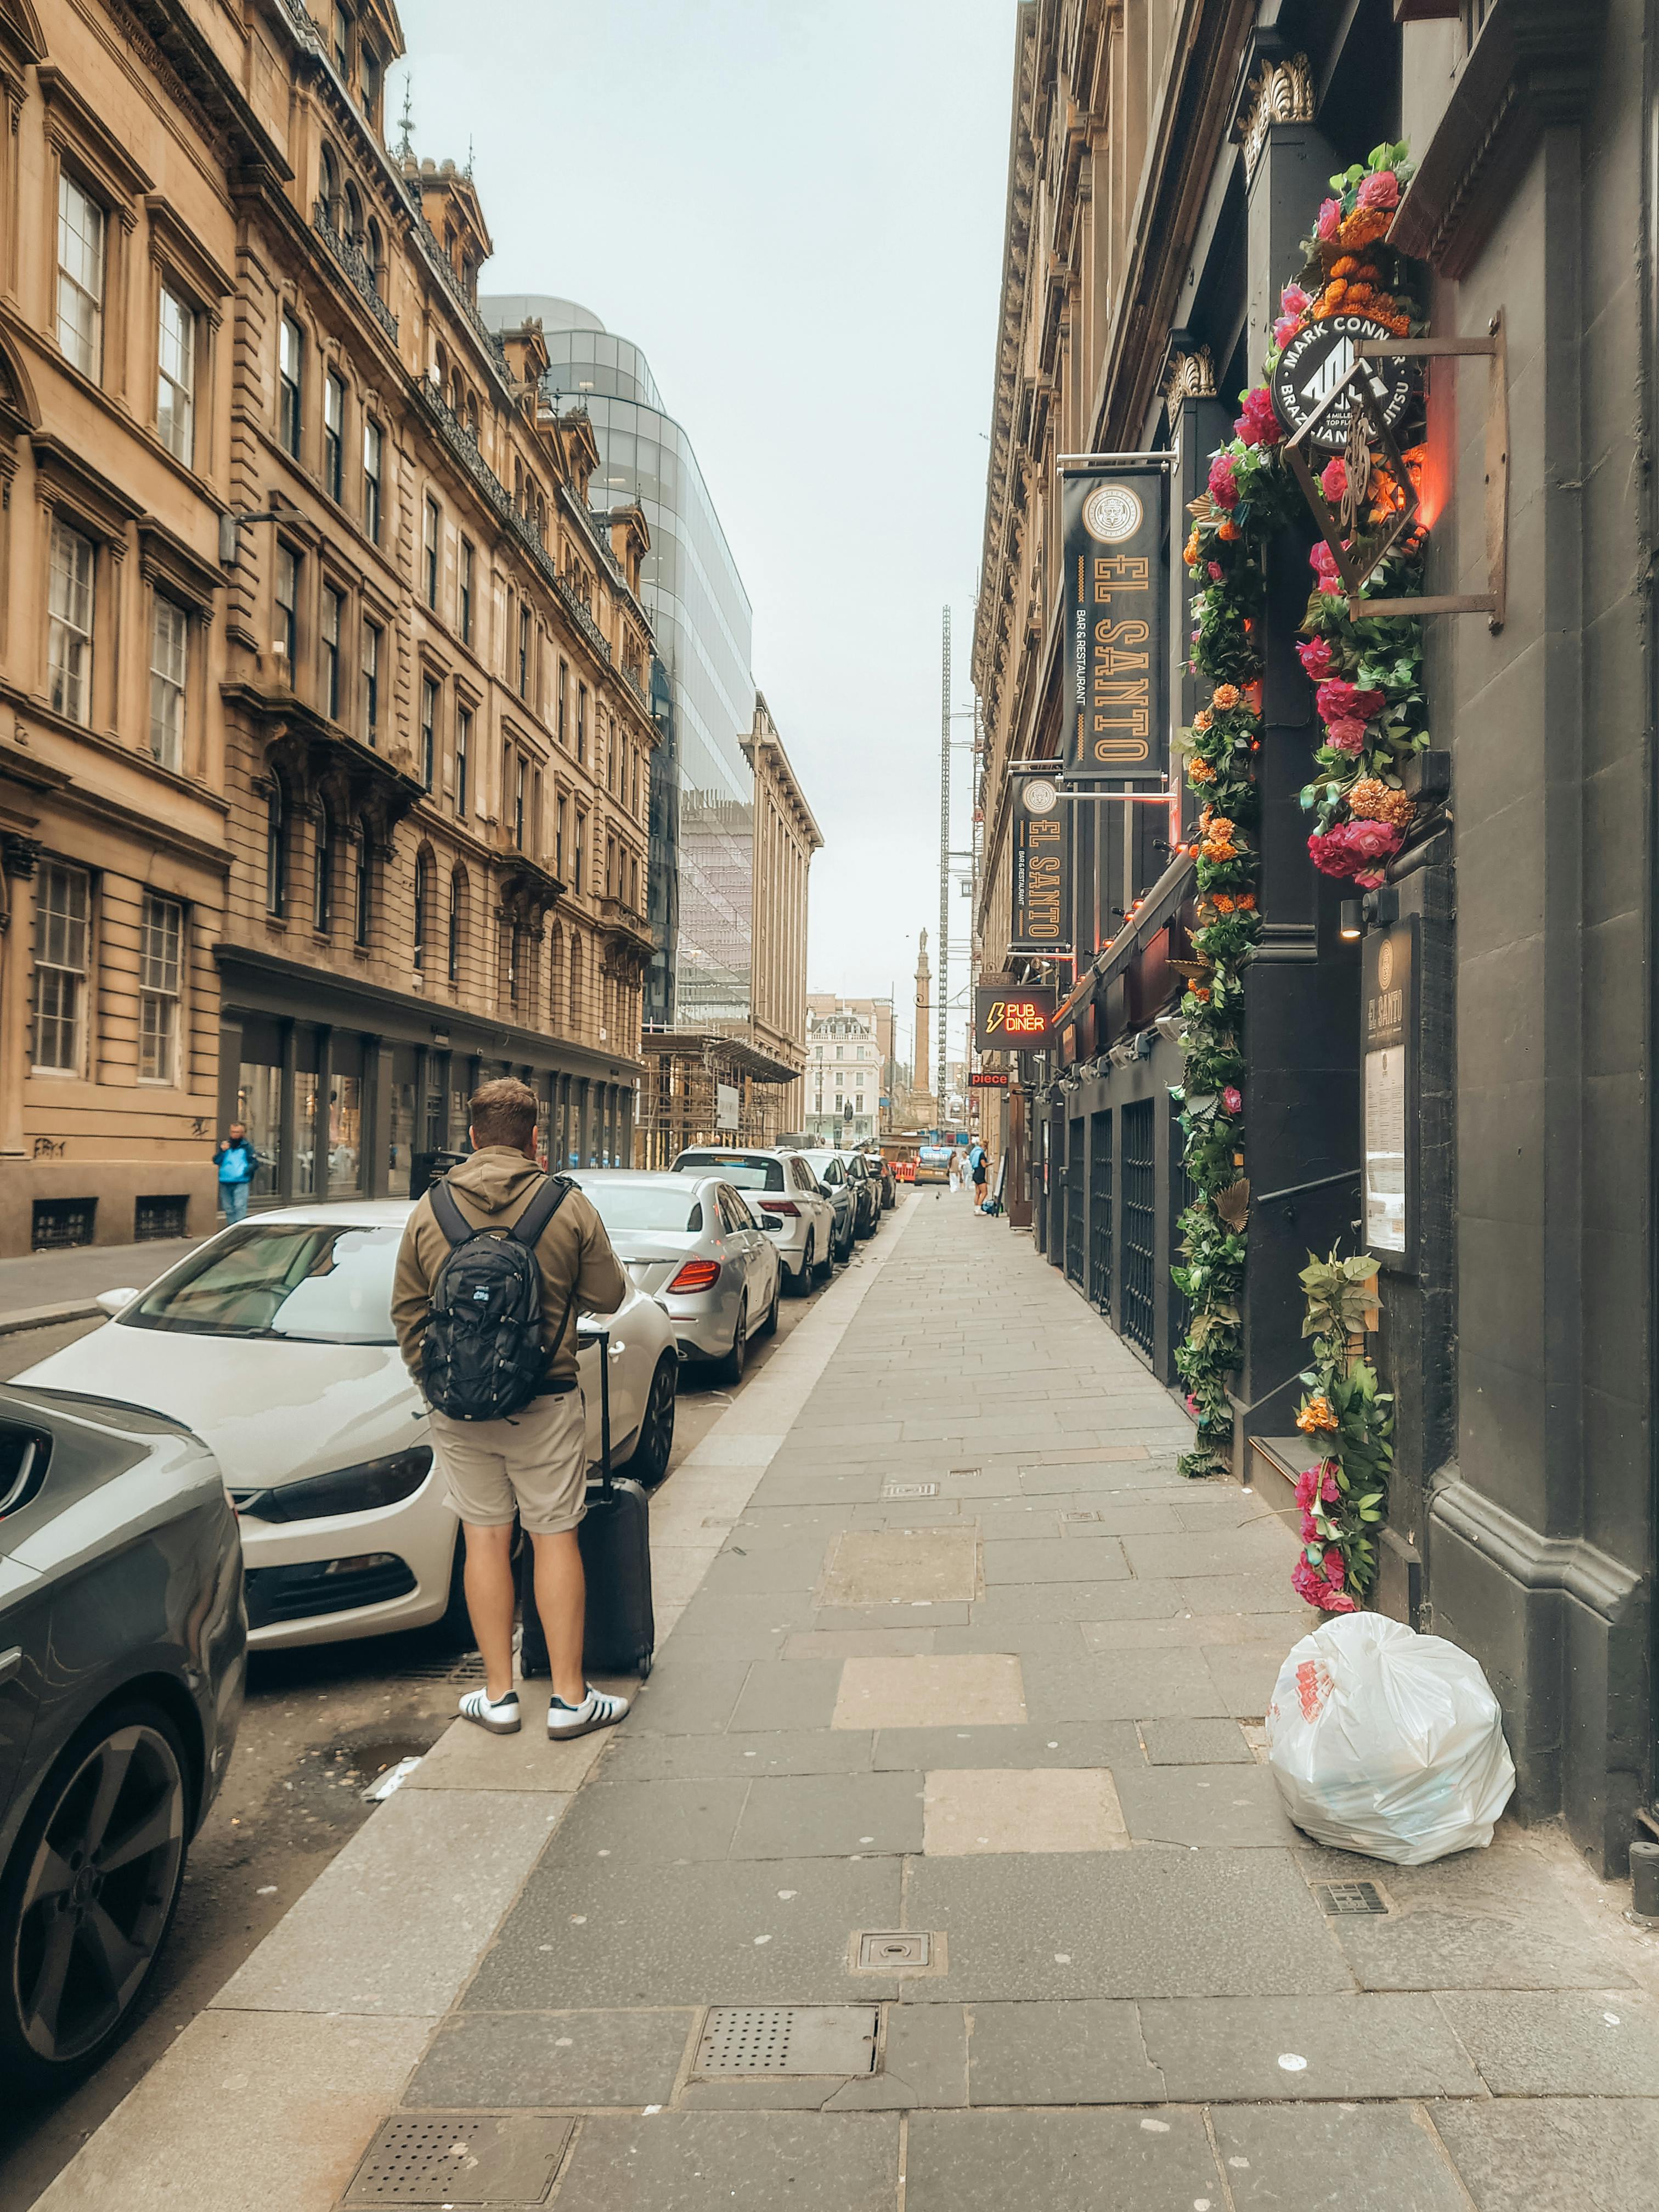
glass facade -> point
(703, 694)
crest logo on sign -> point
(1315, 362)
(1111, 514)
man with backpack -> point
(496, 1261)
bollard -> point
(1644, 1879)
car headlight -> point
(349, 1490)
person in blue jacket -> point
(235, 1162)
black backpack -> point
(483, 1356)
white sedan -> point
(273, 1341)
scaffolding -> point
(681, 1104)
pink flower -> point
(1337, 701)
(1347, 735)
(1327, 1489)
(1224, 486)
(1316, 658)
(1258, 425)
(1233, 1099)
(1380, 190)
(1354, 848)
(1310, 1528)
(1336, 1571)
(1293, 299)
(1307, 1487)
(1369, 879)
(1309, 1585)
(1330, 218)
(1284, 330)
(1215, 568)
(1323, 562)
(1334, 477)
(1191, 1403)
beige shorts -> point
(533, 1464)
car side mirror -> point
(112, 1302)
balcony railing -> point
(356, 264)
(439, 262)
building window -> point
(61, 937)
(69, 634)
(581, 722)
(276, 848)
(519, 774)
(334, 399)
(287, 640)
(175, 394)
(161, 939)
(423, 898)
(429, 729)
(456, 895)
(343, 42)
(564, 690)
(322, 889)
(466, 595)
(576, 981)
(524, 652)
(363, 902)
(333, 610)
(372, 639)
(290, 372)
(558, 836)
(373, 447)
(576, 856)
(371, 86)
(429, 552)
(463, 750)
(514, 949)
(169, 662)
(81, 229)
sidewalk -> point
(44, 1287)
(960, 1666)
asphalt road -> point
(318, 1727)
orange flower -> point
(1247, 902)
(1315, 1415)
(1224, 903)
(1202, 721)
(1189, 552)
(1229, 530)
(1344, 266)
(1253, 695)
(1202, 990)
(1199, 771)
(1365, 226)
(1226, 695)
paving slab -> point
(662, 1822)
(1226, 2049)
(688, 1695)
(966, 1691)
(897, 1566)
(1206, 1805)
(922, 1613)
(1554, 2153)
(244, 2112)
(1086, 2052)
(767, 1569)
(734, 2162)
(777, 1751)
(1244, 1674)
(1173, 1683)
(1058, 1637)
(923, 2062)
(829, 1815)
(774, 1931)
(1054, 1560)
(1263, 1546)
(858, 1642)
(495, 2059)
(970, 1810)
(467, 1757)
(1559, 2043)
(1069, 1601)
(1195, 1743)
(1198, 1630)
(789, 1693)
(395, 1922)
(1339, 2158)
(1101, 2162)
(1258, 1593)
(1099, 1924)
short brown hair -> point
(502, 1113)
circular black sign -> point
(1315, 362)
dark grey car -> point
(122, 1649)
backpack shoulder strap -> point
(448, 1216)
(543, 1206)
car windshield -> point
(663, 1206)
(747, 1170)
(822, 1164)
(319, 1283)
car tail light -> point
(781, 1206)
(697, 1275)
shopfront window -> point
(260, 1101)
(346, 1118)
(402, 1147)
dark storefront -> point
(344, 1088)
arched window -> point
(276, 848)
(374, 248)
(423, 903)
(514, 949)
(362, 905)
(457, 923)
(555, 974)
(576, 981)
(473, 416)
(322, 913)
(330, 173)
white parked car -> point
(689, 1241)
(783, 1191)
(273, 1342)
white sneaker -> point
(502, 1716)
(597, 1709)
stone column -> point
(18, 856)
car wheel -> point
(769, 1326)
(826, 1268)
(90, 1895)
(801, 1283)
(730, 1369)
(648, 1462)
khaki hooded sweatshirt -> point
(492, 1188)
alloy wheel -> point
(656, 1444)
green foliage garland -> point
(1343, 1498)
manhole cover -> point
(1337, 1897)
(460, 2157)
(1079, 1516)
(788, 2040)
(882, 1952)
(910, 1490)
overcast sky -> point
(795, 207)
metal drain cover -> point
(1079, 1516)
(460, 2157)
(910, 1490)
(883, 1951)
(1342, 1897)
(788, 2040)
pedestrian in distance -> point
(497, 1259)
(955, 1174)
(236, 1161)
(978, 1169)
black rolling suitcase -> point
(616, 1546)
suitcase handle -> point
(602, 1337)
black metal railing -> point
(1183, 1193)
(441, 267)
(1076, 1210)
(1137, 1303)
(356, 264)
(1100, 1211)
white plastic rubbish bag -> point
(1387, 1742)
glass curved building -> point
(702, 786)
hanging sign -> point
(1012, 1020)
(1318, 360)
(1115, 518)
(1041, 865)
(988, 1079)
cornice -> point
(1279, 92)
